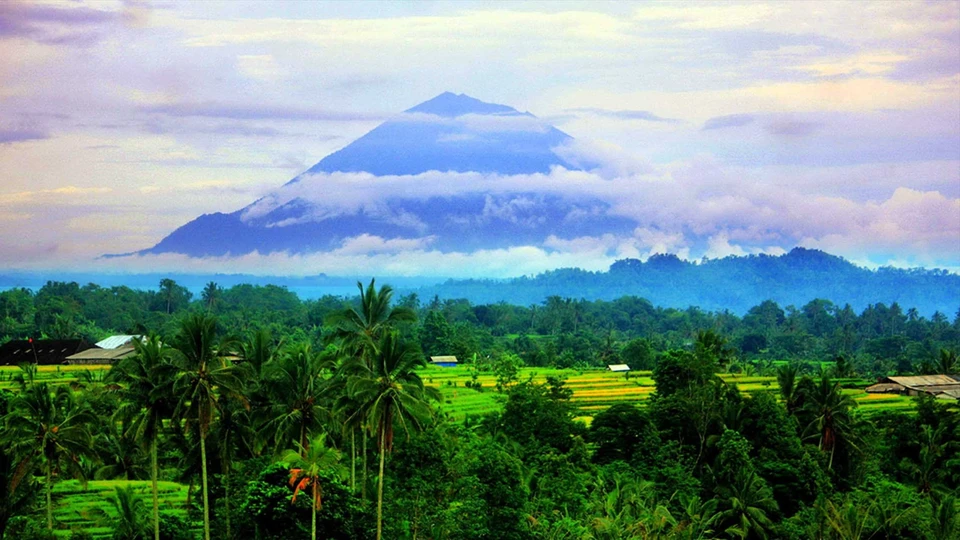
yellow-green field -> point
(595, 390)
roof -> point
(949, 394)
(106, 355)
(881, 388)
(924, 382)
(618, 367)
(40, 351)
(443, 359)
(113, 342)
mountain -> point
(731, 283)
(451, 133)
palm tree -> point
(388, 390)
(306, 466)
(49, 429)
(297, 391)
(129, 523)
(746, 503)
(146, 400)
(828, 409)
(849, 520)
(203, 374)
(360, 331)
(947, 362)
(787, 380)
(211, 295)
(231, 431)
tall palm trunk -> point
(206, 498)
(226, 498)
(49, 489)
(383, 453)
(353, 460)
(363, 486)
(313, 517)
(153, 482)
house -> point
(444, 361)
(618, 368)
(941, 386)
(97, 355)
(43, 352)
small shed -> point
(935, 385)
(444, 361)
(618, 368)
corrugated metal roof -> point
(882, 388)
(443, 359)
(920, 381)
(618, 367)
(113, 342)
(107, 355)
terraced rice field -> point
(596, 390)
(53, 375)
(88, 509)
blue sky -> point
(723, 128)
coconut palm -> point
(146, 380)
(50, 430)
(828, 411)
(296, 390)
(231, 431)
(746, 504)
(129, 507)
(203, 375)
(947, 362)
(389, 391)
(307, 464)
(787, 381)
(361, 331)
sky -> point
(720, 128)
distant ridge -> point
(731, 283)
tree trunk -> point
(154, 488)
(203, 477)
(363, 486)
(49, 489)
(313, 517)
(353, 460)
(226, 499)
(383, 453)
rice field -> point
(87, 508)
(596, 390)
(53, 375)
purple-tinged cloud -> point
(792, 128)
(10, 136)
(53, 25)
(626, 114)
(210, 109)
(728, 121)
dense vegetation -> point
(250, 397)
(732, 283)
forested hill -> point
(732, 283)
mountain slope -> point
(450, 133)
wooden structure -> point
(96, 355)
(618, 368)
(943, 386)
(444, 361)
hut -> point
(97, 355)
(444, 361)
(618, 368)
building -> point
(115, 342)
(618, 368)
(941, 386)
(444, 361)
(43, 352)
(97, 355)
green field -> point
(595, 390)
(80, 508)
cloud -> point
(793, 128)
(728, 121)
(252, 111)
(53, 25)
(9, 136)
(626, 114)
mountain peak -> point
(451, 105)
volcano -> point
(450, 138)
